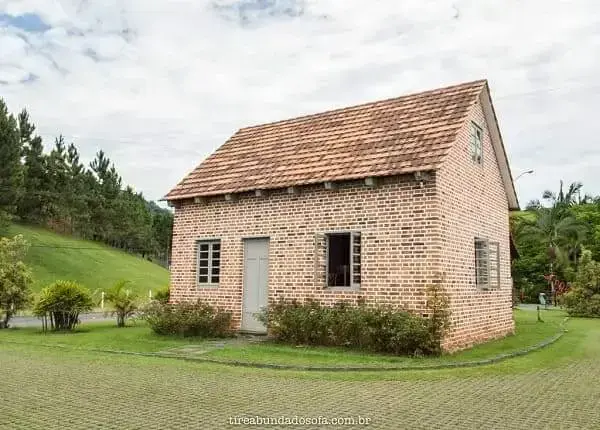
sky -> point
(159, 85)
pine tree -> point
(33, 206)
(58, 180)
(78, 193)
(11, 170)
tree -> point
(589, 215)
(162, 230)
(533, 261)
(77, 192)
(56, 190)
(11, 170)
(123, 301)
(34, 203)
(15, 278)
(584, 298)
(58, 180)
(105, 194)
(551, 236)
(556, 227)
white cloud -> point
(160, 84)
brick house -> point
(369, 202)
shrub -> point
(123, 301)
(374, 328)
(163, 295)
(61, 303)
(439, 319)
(187, 319)
(583, 300)
(15, 278)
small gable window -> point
(476, 143)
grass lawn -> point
(53, 256)
(139, 338)
(98, 335)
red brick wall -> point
(474, 204)
(400, 234)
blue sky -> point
(160, 84)
(29, 22)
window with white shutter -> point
(487, 263)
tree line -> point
(55, 189)
(552, 235)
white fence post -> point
(150, 295)
(102, 301)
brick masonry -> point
(474, 204)
(413, 233)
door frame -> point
(245, 239)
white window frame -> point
(354, 235)
(487, 264)
(476, 140)
(210, 266)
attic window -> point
(476, 143)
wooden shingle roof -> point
(400, 135)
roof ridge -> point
(424, 93)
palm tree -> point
(555, 226)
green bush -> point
(374, 328)
(123, 301)
(163, 295)
(584, 298)
(187, 319)
(61, 303)
(15, 278)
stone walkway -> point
(49, 389)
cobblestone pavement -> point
(50, 389)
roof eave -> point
(404, 171)
(499, 149)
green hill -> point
(53, 256)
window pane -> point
(209, 253)
(482, 275)
(338, 260)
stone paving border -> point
(460, 364)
